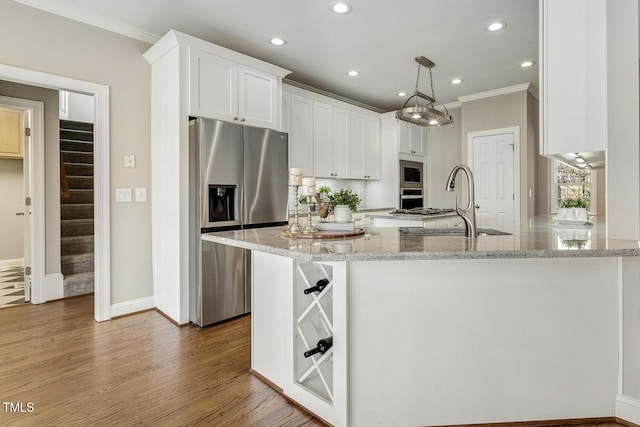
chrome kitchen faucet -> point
(469, 214)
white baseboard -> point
(11, 262)
(53, 286)
(132, 306)
(628, 408)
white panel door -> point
(357, 145)
(301, 134)
(213, 86)
(257, 98)
(372, 148)
(493, 170)
(340, 143)
(322, 152)
(404, 137)
(418, 137)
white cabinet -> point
(225, 90)
(411, 138)
(364, 146)
(330, 138)
(573, 76)
(330, 141)
(301, 134)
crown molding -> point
(75, 14)
(331, 95)
(495, 92)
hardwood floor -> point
(135, 370)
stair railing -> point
(64, 183)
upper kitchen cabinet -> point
(364, 146)
(329, 138)
(226, 90)
(573, 67)
(411, 140)
(330, 141)
(11, 134)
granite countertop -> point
(408, 217)
(540, 238)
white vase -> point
(342, 213)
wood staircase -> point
(76, 207)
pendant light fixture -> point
(424, 115)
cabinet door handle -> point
(19, 213)
(235, 119)
(242, 120)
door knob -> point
(19, 213)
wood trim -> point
(64, 182)
(626, 423)
(166, 316)
(549, 423)
(281, 392)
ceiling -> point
(379, 38)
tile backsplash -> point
(358, 186)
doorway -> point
(102, 292)
(21, 147)
(493, 158)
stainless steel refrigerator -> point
(238, 180)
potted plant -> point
(343, 203)
(573, 209)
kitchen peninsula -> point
(441, 330)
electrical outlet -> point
(141, 194)
(123, 195)
(129, 161)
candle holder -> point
(295, 226)
(309, 228)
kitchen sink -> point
(459, 231)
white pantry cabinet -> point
(226, 90)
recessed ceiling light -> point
(277, 41)
(456, 81)
(401, 93)
(527, 64)
(340, 7)
(353, 73)
(497, 26)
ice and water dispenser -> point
(222, 202)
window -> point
(572, 183)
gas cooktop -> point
(422, 211)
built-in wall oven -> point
(411, 185)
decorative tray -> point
(569, 221)
(333, 234)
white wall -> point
(442, 154)
(500, 112)
(78, 107)
(11, 194)
(88, 53)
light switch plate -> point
(141, 194)
(129, 161)
(123, 195)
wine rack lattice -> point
(314, 321)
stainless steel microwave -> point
(411, 174)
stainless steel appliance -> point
(238, 179)
(411, 185)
